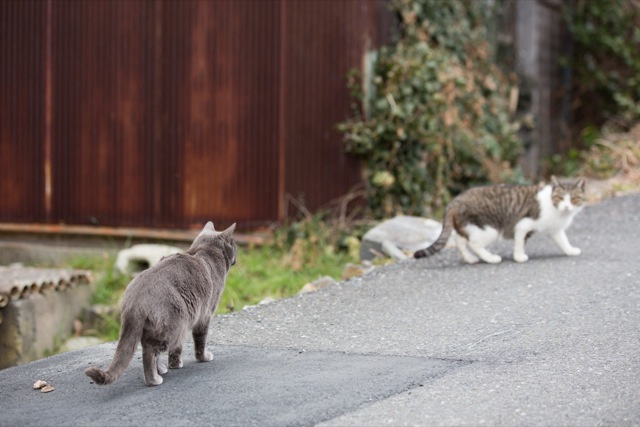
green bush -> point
(437, 117)
(605, 60)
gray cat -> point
(481, 215)
(163, 303)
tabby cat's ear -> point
(554, 181)
(229, 231)
(580, 183)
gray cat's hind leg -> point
(175, 358)
(150, 365)
(200, 332)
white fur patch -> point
(553, 219)
(479, 239)
(481, 236)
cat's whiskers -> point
(241, 270)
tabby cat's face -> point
(567, 196)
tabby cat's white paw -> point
(572, 251)
(521, 257)
(470, 259)
(493, 259)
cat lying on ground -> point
(163, 303)
(481, 215)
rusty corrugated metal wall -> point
(22, 121)
(316, 168)
(170, 113)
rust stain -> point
(48, 190)
(282, 201)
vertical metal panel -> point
(102, 127)
(171, 113)
(224, 70)
(22, 27)
(324, 41)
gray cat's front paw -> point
(153, 381)
(207, 356)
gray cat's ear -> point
(208, 229)
(229, 231)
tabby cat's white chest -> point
(554, 218)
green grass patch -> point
(269, 271)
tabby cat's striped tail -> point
(441, 241)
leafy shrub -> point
(614, 153)
(605, 60)
(438, 116)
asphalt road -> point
(555, 341)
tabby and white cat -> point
(162, 304)
(481, 215)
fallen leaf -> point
(39, 384)
(46, 389)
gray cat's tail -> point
(441, 241)
(130, 333)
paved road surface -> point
(555, 341)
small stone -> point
(266, 300)
(47, 389)
(320, 283)
(39, 384)
(308, 288)
(352, 270)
